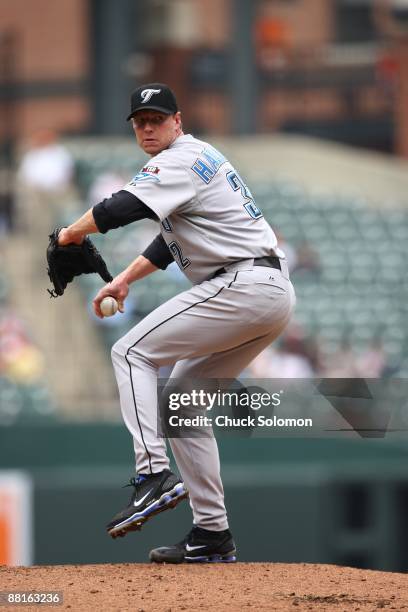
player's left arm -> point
(120, 209)
(119, 287)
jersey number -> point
(177, 253)
(236, 183)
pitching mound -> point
(237, 587)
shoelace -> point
(135, 482)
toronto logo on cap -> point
(148, 93)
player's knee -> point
(118, 352)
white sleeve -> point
(163, 185)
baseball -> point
(109, 306)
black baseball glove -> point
(71, 260)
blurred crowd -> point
(300, 356)
(20, 360)
(45, 167)
(46, 164)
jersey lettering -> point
(204, 172)
(214, 158)
(207, 168)
(236, 183)
(177, 253)
(167, 225)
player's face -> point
(155, 131)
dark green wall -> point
(288, 499)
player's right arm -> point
(119, 287)
(156, 256)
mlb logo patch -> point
(151, 169)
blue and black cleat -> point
(152, 494)
(199, 546)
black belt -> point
(267, 262)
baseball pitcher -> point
(240, 300)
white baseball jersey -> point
(208, 216)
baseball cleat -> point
(153, 493)
(199, 546)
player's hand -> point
(65, 237)
(118, 289)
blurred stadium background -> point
(309, 98)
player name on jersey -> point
(207, 169)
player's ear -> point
(177, 117)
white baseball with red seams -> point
(109, 306)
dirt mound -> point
(235, 587)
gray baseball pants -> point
(213, 330)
